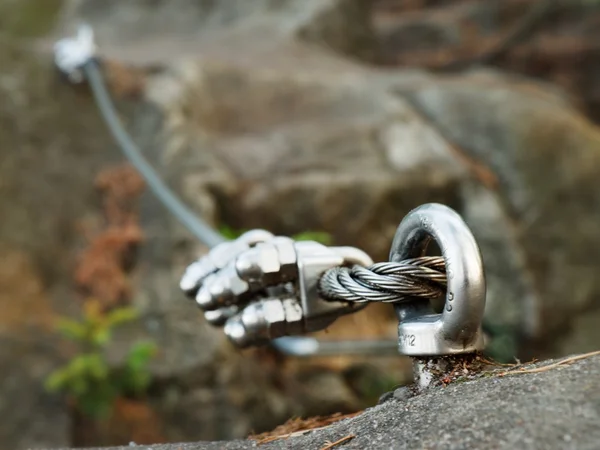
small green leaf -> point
(97, 404)
(71, 329)
(87, 377)
(98, 368)
(79, 364)
(318, 236)
(78, 386)
(120, 316)
(57, 380)
(101, 337)
(139, 382)
(140, 354)
(230, 233)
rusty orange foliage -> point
(136, 421)
(121, 188)
(103, 268)
(296, 424)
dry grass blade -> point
(550, 366)
(297, 427)
(329, 445)
(491, 362)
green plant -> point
(319, 236)
(229, 232)
(88, 379)
(503, 342)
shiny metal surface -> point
(268, 288)
(217, 258)
(387, 282)
(71, 54)
(305, 310)
(308, 347)
(313, 260)
(458, 328)
(262, 321)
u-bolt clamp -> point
(261, 287)
(422, 333)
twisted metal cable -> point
(387, 282)
(194, 223)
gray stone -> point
(48, 160)
(519, 36)
(209, 180)
(385, 397)
(404, 393)
(583, 334)
(253, 112)
(545, 191)
(275, 156)
(282, 134)
(554, 409)
(226, 399)
(32, 418)
(393, 143)
(511, 309)
(164, 29)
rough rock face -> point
(256, 113)
(47, 153)
(555, 409)
(290, 137)
(551, 40)
(550, 207)
(281, 134)
(342, 26)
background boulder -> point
(277, 115)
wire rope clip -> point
(458, 328)
(261, 287)
(72, 53)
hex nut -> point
(260, 264)
(275, 319)
(286, 252)
(294, 316)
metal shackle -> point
(422, 332)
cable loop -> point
(386, 282)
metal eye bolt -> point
(457, 329)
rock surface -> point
(488, 144)
(261, 114)
(342, 26)
(551, 223)
(546, 39)
(47, 154)
(258, 131)
(553, 409)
